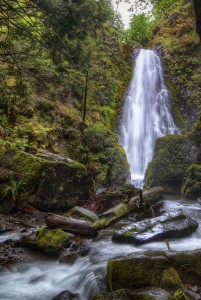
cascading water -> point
(146, 114)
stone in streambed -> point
(166, 226)
(151, 293)
(74, 251)
(139, 270)
(48, 241)
(81, 213)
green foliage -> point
(13, 190)
(140, 29)
(165, 7)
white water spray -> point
(146, 114)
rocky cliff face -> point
(177, 39)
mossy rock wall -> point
(178, 43)
(50, 184)
(176, 39)
(191, 186)
(173, 156)
(103, 156)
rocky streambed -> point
(80, 273)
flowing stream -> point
(147, 113)
(42, 279)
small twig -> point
(168, 245)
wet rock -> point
(145, 269)
(69, 257)
(141, 294)
(194, 295)
(166, 226)
(50, 242)
(2, 229)
(81, 213)
(74, 251)
(10, 252)
(67, 295)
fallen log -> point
(70, 225)
(150, 196)
(119, 211)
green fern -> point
(13, 190)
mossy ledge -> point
(50, 184)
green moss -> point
(100, 224)
(50, 183)
(50, 238)
(135, 272)
(170, 162)
(103, 156)
(180, 295)
(176, 34)
(192, 184)
(177, 116)
(171, 280)
(112, 216)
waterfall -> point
(147, 114)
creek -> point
(42, 279)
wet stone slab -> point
(170, 225)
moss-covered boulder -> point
(173, 156)
(140, 294)
(139, 270)
(48, 241)
(103, 156)
(191, 187)
(50, 183)
(81, 213)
